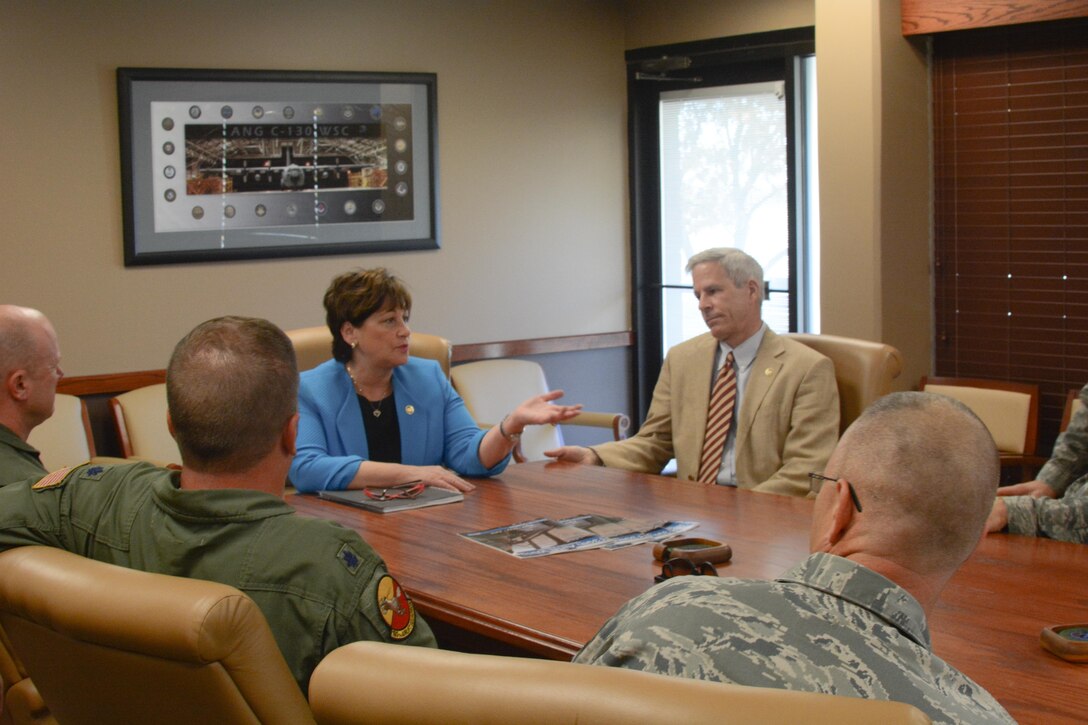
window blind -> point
(1010, 130)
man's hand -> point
(1035, 489)
(574, 454)
(998, 518)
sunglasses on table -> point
(411, 489)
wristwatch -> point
(512, 437)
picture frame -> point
(223, 165)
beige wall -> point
(873, 116)
(874, 180)
(661, 22)
(532, 137)
(532, 165)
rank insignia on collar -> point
(51, 480)
(349, 558)
(396, 608)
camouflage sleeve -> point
(1064, 519)
(1069, 461)
(594, 650)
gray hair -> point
(738, 266)
(926, 470)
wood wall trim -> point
(921, 17)
(110, 383)
(114, 383)
(541, 346)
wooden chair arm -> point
(617, 422)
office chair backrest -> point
(864, 370)
(1009, 410)
(493, 388)
(313, 346)
(139, 417)
(104, 644)
(65, 438)
(455, 687)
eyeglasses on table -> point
(684, 567)
(411, 489)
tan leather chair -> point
(492, 388)
(1009, 410)
(105, 644)
(20, 704)
(864, 370)
(423, 686)
(313, 346)
(139, 417)
(65, 438)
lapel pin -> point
(768, 372)
(409, 409)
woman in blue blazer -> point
(374, 417)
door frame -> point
(650, 71)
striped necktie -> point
(719, 418)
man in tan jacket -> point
(785, 419)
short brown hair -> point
(354, 296)
(231, 387)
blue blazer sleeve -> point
(435, 426)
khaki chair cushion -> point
(65, 438)
(107, 644)
(864, 370)
(1006, 413)
(379, 682)
(313, 346)
(493, 388)
(140, 419)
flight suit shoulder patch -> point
(93, 473)
(51, 480)
(396, 608)
(349, 558)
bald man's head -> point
(29, 368)
(926, 471)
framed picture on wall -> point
(230, 164)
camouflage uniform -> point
(318, 584)
(828, 625)
(1064, 518)
(18, 459)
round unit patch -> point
(396, 608)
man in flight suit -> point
(30, 371)
(232, 388)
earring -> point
(354, 345)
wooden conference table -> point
(987, 622)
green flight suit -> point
(319, 584)
(18, 459)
